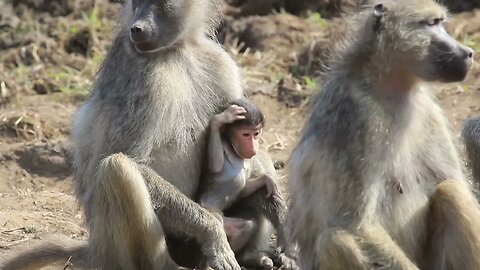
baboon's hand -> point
(272, 187)
(284, 261)
(287, 263)
(217, 249)
(231, 114)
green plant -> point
(310, 82)
(92, 19)
(474, 43)
(317, 18)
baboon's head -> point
(158, 24)
(411, 33)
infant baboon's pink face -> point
(245, 140)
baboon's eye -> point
(434, 21)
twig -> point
(12, 230)
(75, 225)
(68, 263)
(5, 245)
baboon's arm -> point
(177, 212)
(252, 186)
(215, 149)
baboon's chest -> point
(185, 99)
(179, 167)
(407, 186)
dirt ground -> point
(51, 50)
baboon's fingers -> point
(257, 259)
(454, 222)
(286, 263)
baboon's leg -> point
(125, 232)
(370, 248)
(382, 252)
(180, 215)
(338, 250)
(265, 212)
(454, 222)
(273, 208)
(239, 231)
(275, 211)
(256, 259)
(255, 253)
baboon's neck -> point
(396, 82)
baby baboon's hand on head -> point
(230, 115)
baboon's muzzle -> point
(452, 59)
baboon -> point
(233, 145)
(471, 138)
(375, 124)
(139, 141)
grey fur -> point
(268, 211)
(153, 108)
(374, 126)
(471, 138)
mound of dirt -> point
(51, 159)
(327, 8)
(56, 7)
(271, 32)
(461, 5)
(312, 59)
(9, 86)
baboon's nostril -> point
(136, 29)
(469, 52)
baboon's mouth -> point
(145, 47)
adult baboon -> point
(471, 138)
(375, 125)
(139, 140)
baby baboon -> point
(139, 141)
(232, 146)
(376, 124)
(471, 138)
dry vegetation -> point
(50, 51)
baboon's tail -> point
(58, 253)
(471, 138)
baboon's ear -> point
(379, 22)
